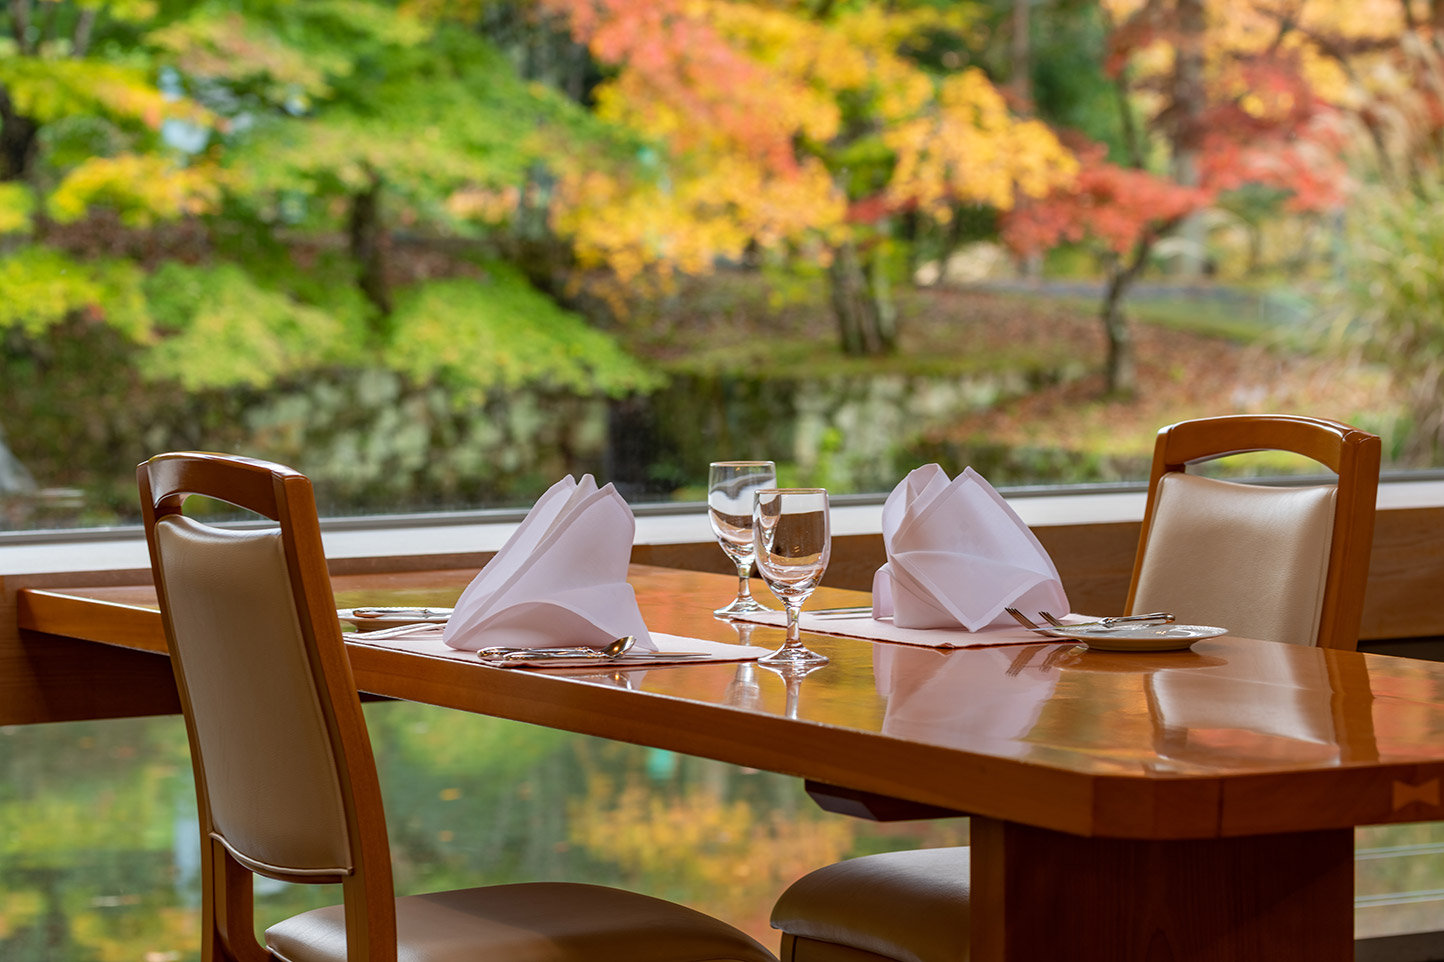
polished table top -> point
(1234, 737)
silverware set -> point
(1118, 621)
(399, 612)
(617, 652)
(394, 632)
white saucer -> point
(1141, 637)
(391, 617)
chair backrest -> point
(1285, 564)
(284, 773)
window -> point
(438, 255)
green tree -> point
(248, 190)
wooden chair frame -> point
(368, 892)
(1352, 455)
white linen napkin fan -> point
(560, 580)
(957, 555)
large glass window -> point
(436, 254)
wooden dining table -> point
(1189, 805)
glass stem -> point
(744, 586)
(794, 613)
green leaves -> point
(17, 206)
(43, 287)
(141, 188)
(47, 90)
(226, 330)
(216, 44)
(433, 120)
(499, 332)
(255, 124)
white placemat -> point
(428, 642)
(864, 626)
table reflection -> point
(1221, 706)
(1259, 705)
(994, 695)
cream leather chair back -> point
(274, 788)
(1274, 563)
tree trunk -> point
(84, 27)
(1021, 80)
(884, 308)
(849, 299)
(862, 303)
(19, 141)
(20, 26)
(1189, 100)
(1121, 370)
(368, 249)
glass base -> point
(741, 606)
(796, 657)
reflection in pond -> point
(99, 855)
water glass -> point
(793, 544)
(732, 488)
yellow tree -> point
(794, 130)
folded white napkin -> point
(560, 579)
(957, 555)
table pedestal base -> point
(1043, 895)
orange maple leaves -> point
(765, 111)
(1114, 204)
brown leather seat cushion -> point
(530, 922)
(910, 906)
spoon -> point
(620, 645)
(613, 649)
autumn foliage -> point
(784, 131)
(1263, 125)
(1116, 205)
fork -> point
(1028, 623)
(1159, 617)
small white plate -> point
(374, 618)
(1142, 637)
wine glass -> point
(731, 490)
(790, 526)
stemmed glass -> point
(732, 488)
(794, 542)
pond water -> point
(99, 855)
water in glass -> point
(732, 488)
(793, 543)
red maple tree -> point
(1255, 122)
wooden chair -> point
(284, 773)
(1280, 564)
(1285, 564)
